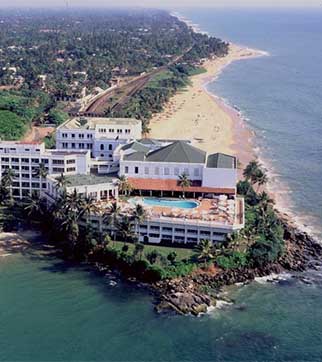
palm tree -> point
(251, 170)
(184, 182)
(42, 173)
(124, 185)
(124, 226)
(62, 182)
(35, 205)
(6, 183)
(139, 215)
(260, 178)
(87, 207)
(138, 250)
(112, 218)
(205, 251)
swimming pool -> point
(180, 204)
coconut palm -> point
(205, 251)
(184, 182)
(124, 185)
(62, 182)
(41, 172)
(35, 206)
(112, 217)
(139, 215)
(6, 184)
(124, 226)
(88, 207)
(260, 178)
(251, 170)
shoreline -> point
(239, 130)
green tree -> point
(184, 182)
(205, 251)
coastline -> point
(204, 118)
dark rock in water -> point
(241, 307)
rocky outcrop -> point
(194, 294)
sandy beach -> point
(199, 116)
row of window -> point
(102, 147)
(81, 146)
(167, 171)
(112, 130)
(179, 230)
(8, 150)
(80, 135)
(34, 185)
(24, 160)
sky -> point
(159, 3)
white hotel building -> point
(92, 152)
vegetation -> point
(61, 52)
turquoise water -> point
(52, 311)
(180, 204)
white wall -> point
(219, 177)
(151, 166)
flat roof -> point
(82, 180)
(90, 123)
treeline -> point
(18, 109)
(64, 51)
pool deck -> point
(219, 210)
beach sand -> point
(195, 114)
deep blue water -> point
(50, 311)
(280, 96)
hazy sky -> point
(158, 3)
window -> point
(14, 159)
(25, 160)
(70, 162)
(35, 160)
(65, 145)
(4, 159)
(176, 171)
(119, 131)
(89, 146)
(196, 172)
(58, 162)
(102, 147)
(126, 169)
(127, 131)
(73, 145)
(110, 147)
(15, 168)
(111, 130)
(64, 135)
(80, 135)
(157, 171)
(166, 171)
(73, 135)
(71, 169)
(25, 184)
(44, 160)
(25, 175)
(25, 168)
(146, 170)
(81, 146)
(58, 170)
(35, 185)
(136, 170)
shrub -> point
(232, 260)
(154, 273)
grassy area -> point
(196, 71)
(12, 127)
(182, 253)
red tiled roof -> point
(173, 185)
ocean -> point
(280, 97)
(53, 311)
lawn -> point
(182, 253)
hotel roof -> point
(179, 151)
(221, 160)
(91, 123)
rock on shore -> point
(194, 294)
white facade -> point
(160, 170)
(99, 135)
(24, 159)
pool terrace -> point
(208, 212)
